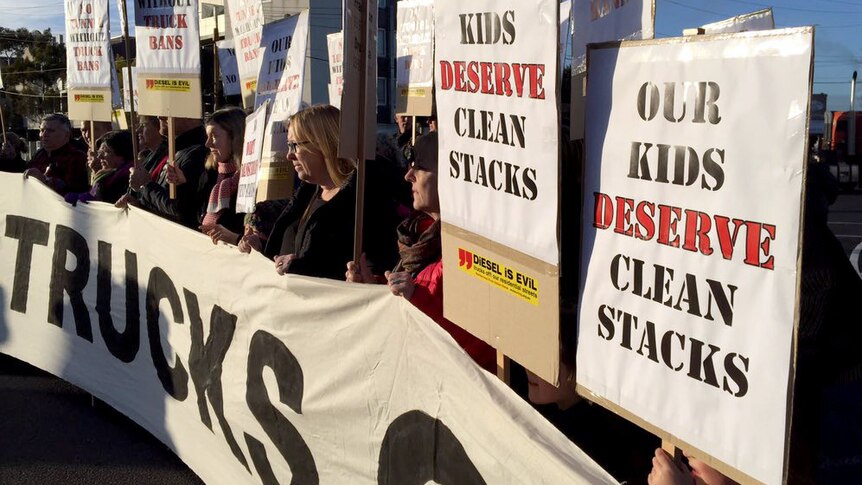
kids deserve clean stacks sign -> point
(496, 104)
(694, 173)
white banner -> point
(134, 93)
(496, 91)
(252, 146)
(335, 48)
(251, 377)
(760, 20)
(282, 69)
(167, 37)
(691, 237)
(228, 67)
(604, 20)
(88, 44)
(414, 37)
(246, 21)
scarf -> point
(418, 242)
(225, 188)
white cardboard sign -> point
(760, 20)
(335, 48)
(228, 67)
(134, 94)
(247, 20)
(252, 146)
(282, 67)
(496, 89)
(168, 37)
(605, 20)
(415, 41)
(691, 237)
(89, 60)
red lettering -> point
(667, 234)
(604, 211)
(624, 208)
(446, 78)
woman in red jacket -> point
(418, 277)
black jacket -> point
(192, 196)
(327, 242)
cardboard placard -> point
(498, 177)
(228, 67)
(168, 59)
(133, 95)
(89, 60)
(246, 21)
(760, 20)
(335, 48)
(252, 146)
(359, 94)
(691, 239)
(414, 64)
(90, 104)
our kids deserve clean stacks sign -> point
(695, 161)
(169, 64)
(496, 90)
(88, 59)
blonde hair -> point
(231, 120)
(320, 125)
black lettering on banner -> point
(205, 365)
(28, 232)
(71, 282)
(175, 380)
(266, 350)
(122, 345)
(418, 449)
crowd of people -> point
(311, 233)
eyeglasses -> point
(293, 146)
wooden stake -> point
(3, 124)
(92, 140)
(672, 450)
(172, 188)
(216, 66)
(413, 135)
(359, 213)
(503, 368)
(133, 119)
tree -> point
(33, 62)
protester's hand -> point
(401, 283)
(217, 233)
(359, 273)
(283, 262)
(127, 200)
(250, 241)
(93, 161)
(71, 198)
(36, 174)
(666, 471)
(175, 175)
(138, 178)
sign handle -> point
(672, 450)
(172, 188)
(133, 118)
(3, 124)
(413, 134)
(504, 368)
(359, 213)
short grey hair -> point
(59, 118)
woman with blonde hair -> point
(225, 130)
(313, 236)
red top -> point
(428, 297)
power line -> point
(31, 95)
(795, 9)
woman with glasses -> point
(313, 236)
(112, 162)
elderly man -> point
(58, 163)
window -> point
(382, 92)
(381, 43)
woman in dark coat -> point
(313, 236)
(114, 159)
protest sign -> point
(116, 97)
(89, 60)
(358, 138)
(246, 21)
(414, 65)
(252, 146)
(602, 21)
(496, 89)
(134, 90)
(279, 379)
(691, 240)
(168, 58)
(228, 67)
(565, 35)
(281, 81)
(760, 20)
(335, 48)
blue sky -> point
(838, 50)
